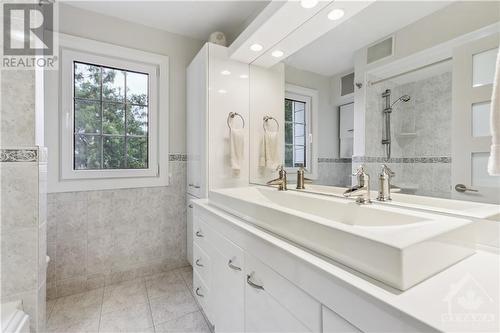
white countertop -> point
(463, 298)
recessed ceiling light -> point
(222, 91)
(243, 76)
(277, 53)
(308, 3)
(225, 72)
(256, 47)
(336, 14)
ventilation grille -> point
(347, 84)
(379, 51)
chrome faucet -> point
(301, 180)
(361, 190)
(281, 180)
(384, 183)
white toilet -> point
(14, 319)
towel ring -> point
(231, 116)
(266, 119)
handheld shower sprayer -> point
(386, 135)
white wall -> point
(180, 49)
(328, 120)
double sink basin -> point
(396, 246)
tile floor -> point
(158, 303)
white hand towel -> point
(237, 143)
(269, 151)
(494, 161)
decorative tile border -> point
(430, 159)
(334, 160)
(19, 155)
(177, 157)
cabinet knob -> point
(197, 292)
(253, 284)
(197, 262)
(199, 234)
(233, 267)
(190, 206)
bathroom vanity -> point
(252, 275)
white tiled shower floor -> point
(158, 303)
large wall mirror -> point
(407, 85)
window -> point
(114, 120)
(110, 108)
(295, 133)
(300, 114)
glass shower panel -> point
(481, 119)
(480, 176)
(483, 67)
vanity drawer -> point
(302, 306)
(332, 323)
(201, 264)
(202, 295)
(202, 234)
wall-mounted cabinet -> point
(346, 130)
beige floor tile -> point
(176, 304)
(187, 275)
(80, 309)
(164, 284)
(124, 295)
(193, 322)
(133, 319)
(85, 326)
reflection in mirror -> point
(372, 91)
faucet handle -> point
(386, 170)
(359, 171)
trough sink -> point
(396, 246)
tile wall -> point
(97, 238)
(422, 161)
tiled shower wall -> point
(103, 237)
(422, 162)
(23, 171)
(334, 172)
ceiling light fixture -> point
(256, 47)
(308, 3)
(222, 91)
(336, 14)
(243, 76)
(277, 53)
(225, 72)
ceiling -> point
(333, 52)
(195, 19)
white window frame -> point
(311, 98)
(156, 66)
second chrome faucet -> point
(362, 189)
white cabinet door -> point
(197, 105)
(228, 292)
(333, 323)
(189, 229)
(274, 304)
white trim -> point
(297, 92)
(67, 179)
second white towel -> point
(269, 151)
(237, 143)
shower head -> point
(404, 98)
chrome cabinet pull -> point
(462, 188)
(190, 185)
(252, 284)
(199, 234)
(230, 264)
(190, 206)
(197, 262)
(197, 186)
(197, 292)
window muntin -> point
(111, 112)
(295, 133)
